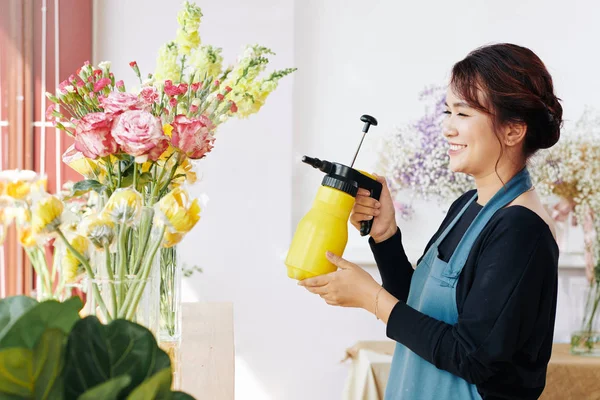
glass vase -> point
(170, 310)
(134, 298)
(586, 340)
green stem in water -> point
(90, 272)
(111, 278)
(590, 324)
(134, 296)
(122, 263)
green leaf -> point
(181, 396)
(34, 374)
(97, 353)
(82, 187)
(108, 390)
(11, 309)
(158, 387)
(27, 330)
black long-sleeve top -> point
(506, 297)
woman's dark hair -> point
(517, 89)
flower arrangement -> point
(137, 152)
(571, 171)
(415, 158)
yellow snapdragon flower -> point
(207, 60)
(167, 66)
(189, 19)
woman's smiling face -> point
(474, 146)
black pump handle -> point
(374, 187)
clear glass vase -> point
(586, 341)
(170, 295)
(135, 297)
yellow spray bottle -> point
(325, 226)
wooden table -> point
(569, 377)
(207, 351)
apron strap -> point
(518, 185)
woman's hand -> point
(349, 286)
(382, 212)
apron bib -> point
(433, 292)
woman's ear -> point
(514, 134)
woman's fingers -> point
(366, 210)
(367, 201)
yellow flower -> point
(18, 184)
(99, 229)
(189, 19)
(46, 215)
(124, 205)
(180, 213)
(168, 129)
(71, 266)
(79, 163)
(167, 66)
(186, 168)
(207, 59)
(171, 238)
(26, 237)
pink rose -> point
(149, 95)
(117, 102)
(101, 84)
(196, 86)
(192, 136)
(92, 136)
(140, 134)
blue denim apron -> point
(433, 292)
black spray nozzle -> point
(323, 165)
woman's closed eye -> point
(459, 114)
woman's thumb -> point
(380, 179)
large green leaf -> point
(181, 396)
(34, 374)
(82, 187)
(26, 331)
(97, 353)
(158, 387)
(108, 390)
(11, 309)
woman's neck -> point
(488, 184)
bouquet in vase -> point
(137, 152)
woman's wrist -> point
(388, 234)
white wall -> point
(354, 57)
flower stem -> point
(134, 175)
(111, 278)
(89, 271)
(122, 262)
(133, 297)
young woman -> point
(475, 319)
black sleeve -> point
(511, 298)
(392, 262)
